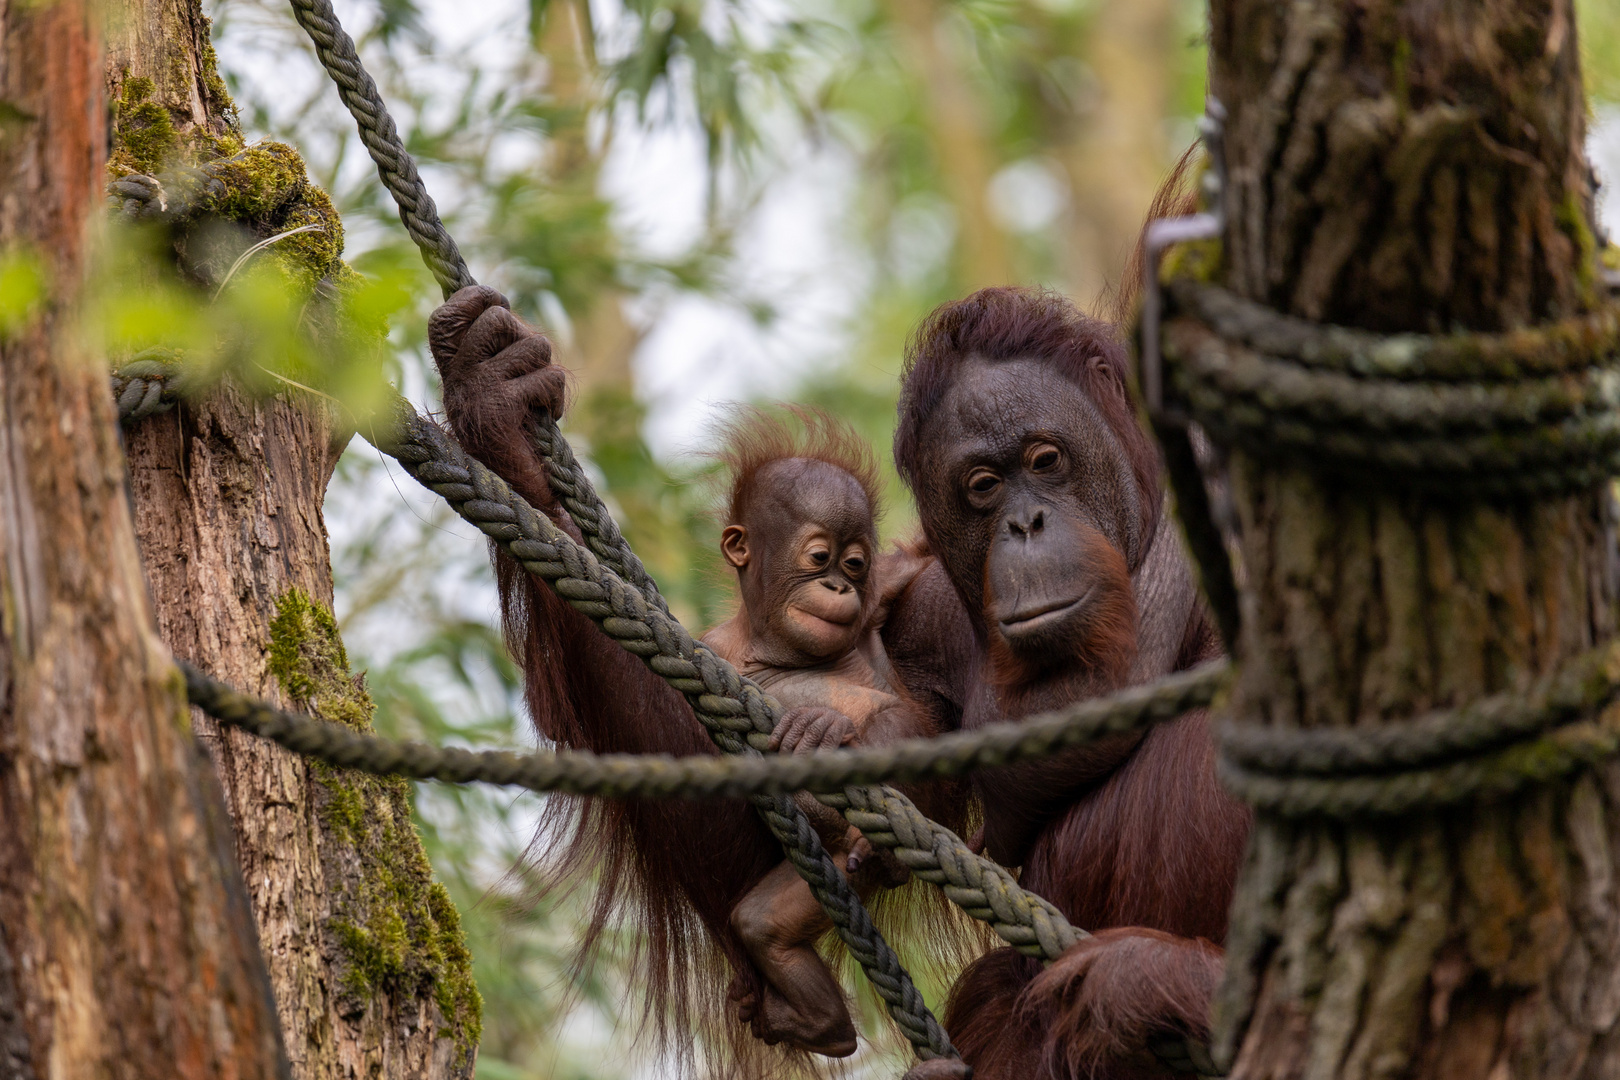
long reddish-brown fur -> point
(1152, 848)
(671, 870)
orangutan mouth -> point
(1044, 615)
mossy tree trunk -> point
(1416, 166)
(126, 945)
(365, 952)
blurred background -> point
(703, 202)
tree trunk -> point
(365, 951)
(962, 147)
(1115, 159)
(126, 945)
(1415, 166)
(603, 340)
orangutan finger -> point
(834, 733)
(790, 728)
(546, 388)
(491, 333)
(522, 357)
(448, 325)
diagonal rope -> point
(786, 820)
(608, 583)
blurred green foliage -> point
(22, 287)
(511, 132)
(1598, 23)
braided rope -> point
(735, 710)
(147, 385)
(578, 497)
(335, 49)
(1566, 346)
(659, 776)
(630, 609)
(144, 390)
(1533, 412)
(723, 697)
(1486, 749)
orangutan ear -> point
(734, 545)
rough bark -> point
(1415, 166)
(126, 945)
(365, 953)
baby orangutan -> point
(802, 537)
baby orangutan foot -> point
(773, 1019)
(820, 1025)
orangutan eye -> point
(820, 556)
(982, 481)
(855, 566)
(1044, 458)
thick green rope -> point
(737, 713)
(1486, 749)
(787, 821)
(660, 776)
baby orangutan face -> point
(803, 553)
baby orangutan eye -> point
(819, 556)
(855, 565)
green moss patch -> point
(394, 930)
(145, 137)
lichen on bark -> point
(394, 929)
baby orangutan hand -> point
(810, 728)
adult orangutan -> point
(1039, 494)
(1056, 578)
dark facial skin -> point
(803, 553)
(1035, 507)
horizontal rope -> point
(1557, 348)
(1531, 412)
(658, 776)
(1487, 749)
(737, 712)
(148, 384)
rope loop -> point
(1529, 412)
(1485, 750)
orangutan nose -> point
(1026, 522)
(835, 586)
